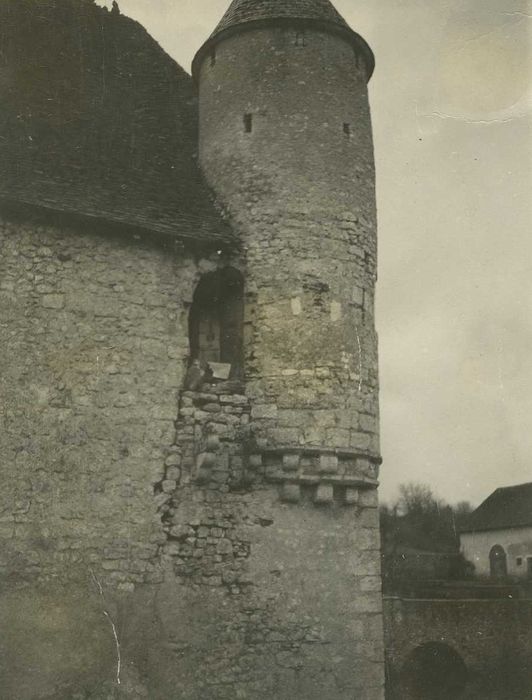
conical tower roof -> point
(249, 14)
(243, 11)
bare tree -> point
(416, 498)
(420, 533)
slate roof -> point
(246, 14)
(508, 507)
(96, 119)
(241, 11)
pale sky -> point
(451, 104)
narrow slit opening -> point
(301, 39)
(248, 123)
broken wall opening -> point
(216, 321)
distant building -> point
(497, 538)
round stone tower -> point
(286, 145)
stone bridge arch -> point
(433, 671)
(493, 638)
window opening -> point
(519, 561)
(347, 129)
(248, 123)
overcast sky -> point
(451, 102)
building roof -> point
(241, 11)
(508, 507)
(249, 14)
(97, 120)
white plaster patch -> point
(297, 308)
(336, 311)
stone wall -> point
(94, 338)
(272, 600)
(142, 534)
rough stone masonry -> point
(216, 541)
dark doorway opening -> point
(433, 671)
(216, 320)
(498, 563)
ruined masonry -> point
(190, 426)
